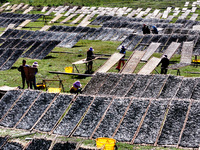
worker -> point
(76, 88)
(145, 29)
(90, 56)
(154, 30)
(33, 73)
(121, 61)
(164, 64)
(21, 69)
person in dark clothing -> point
(122, 51)
(148, 30)
(21, 69)
(165, 63)
(145, 29)
(90, 56)
(32, 74)
(154, 30)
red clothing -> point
(119, 64)
(122, 51)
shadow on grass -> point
(13, 67)
(49, 57)
(77, 46)
(173, 62)
(78, 77)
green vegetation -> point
(106, 3)
(58, 61)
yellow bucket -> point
(107, 143)
(68, 69)
(54, 90)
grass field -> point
(58, 61)
(161, 4)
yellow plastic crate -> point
(40, 86)
(68, 69)
(106, 143)
(54, 90)
(196, 60)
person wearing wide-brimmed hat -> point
(121, 61)
(33, 81)
(76, 88)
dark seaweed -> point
(19, 109)
(112, 118)
(152, 122)
(39, 144)
(64, 146)
(196, 93)
(154, 86)
(186, 88)
(95, 83)
(111, 81)
(174, 123)
(74, 115)
(54, 113)
(7, 100)
(191, 133)
(139, 86)
(13, 58)
(170, 88)
(131, 121)
(93, 116)
(124, 85)
(3, 140)
(36, 110)
(12, 146)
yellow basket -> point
(68, 69)
(40, 86)
(54, 90)
(196, 60)
(107, 143)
